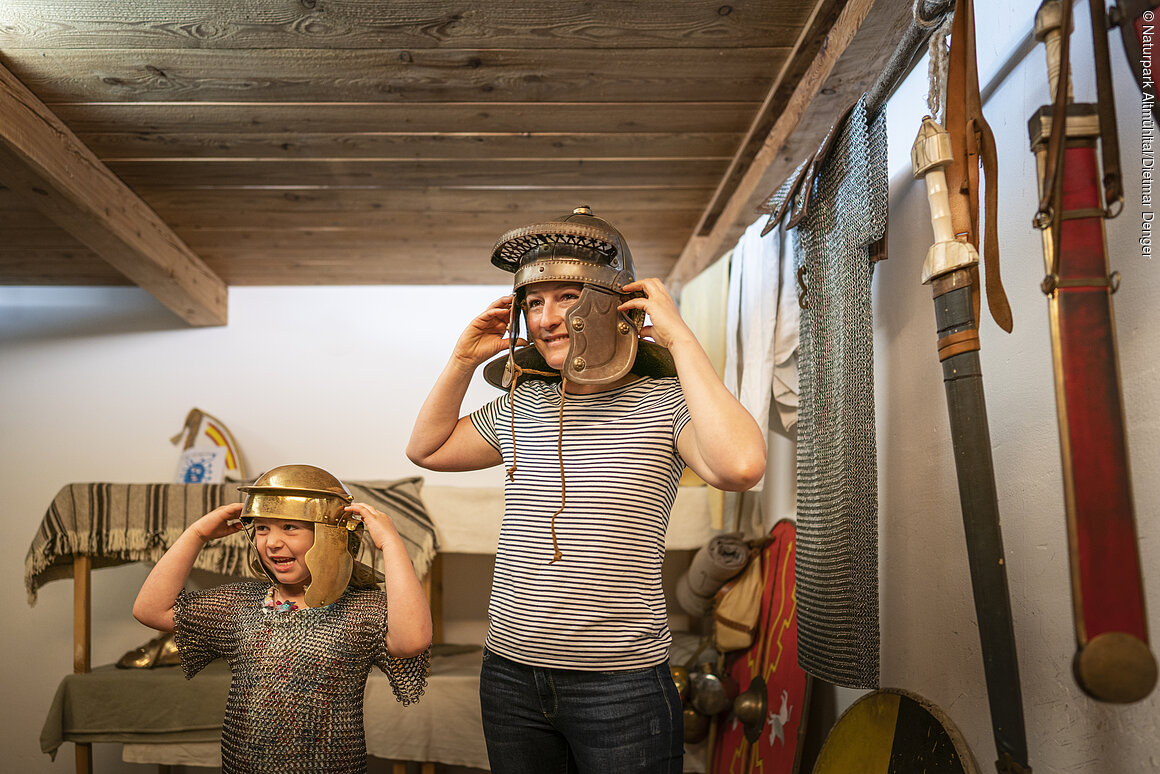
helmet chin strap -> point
(512, 374)
(249, 530)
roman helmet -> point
(604, 343)
(307, 493)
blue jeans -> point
(547, 721)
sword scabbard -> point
(974, 465)
(1113, 661)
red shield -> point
(774, 689)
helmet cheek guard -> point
(330, 561)
(601, 340)
(310, 494)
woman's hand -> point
(722, 443)
(667, 327)
(218, 523)
(486, 335)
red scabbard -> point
(1109, 592)
(1113, 661)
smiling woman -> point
(595, 429)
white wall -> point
(929, 635)
(93, 382)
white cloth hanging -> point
(785, 346)
(761, 329)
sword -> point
(1113, 661)
(949, 270)
(949, 160)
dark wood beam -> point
(44, 162)
(858, 45)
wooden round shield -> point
(763, 732)
(893, 730)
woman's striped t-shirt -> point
(601, 606)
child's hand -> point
(216, 523)
(379, 525)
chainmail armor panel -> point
(837, 475)
(297, 678)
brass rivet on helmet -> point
(579, 363)
(622, 326)
(578, 323)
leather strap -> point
(1105, 99)
(818, 160)
(1050, 203)
(952, 344)
(971, 142)
(1128, 16)
(1051, 192)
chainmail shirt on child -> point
(297, 678)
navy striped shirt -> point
(601, 606)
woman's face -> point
(545, 305)
(282, 545)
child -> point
(300, 647)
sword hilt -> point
(929, 156)
(1049, 31)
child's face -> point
(282, 545)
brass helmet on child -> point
(603, 343)
(307, 493)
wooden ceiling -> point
(190, 145)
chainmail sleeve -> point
(408, 676)
(204, 629)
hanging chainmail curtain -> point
(837, 482)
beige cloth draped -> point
(121, 523)
(703, 304)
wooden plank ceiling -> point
(328, 142)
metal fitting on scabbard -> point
(966, 340)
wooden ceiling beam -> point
(313, 117)
(44, 162)
(810, 40)
(635, 174)
(407, 77)
(856, 48)
(358, 24)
